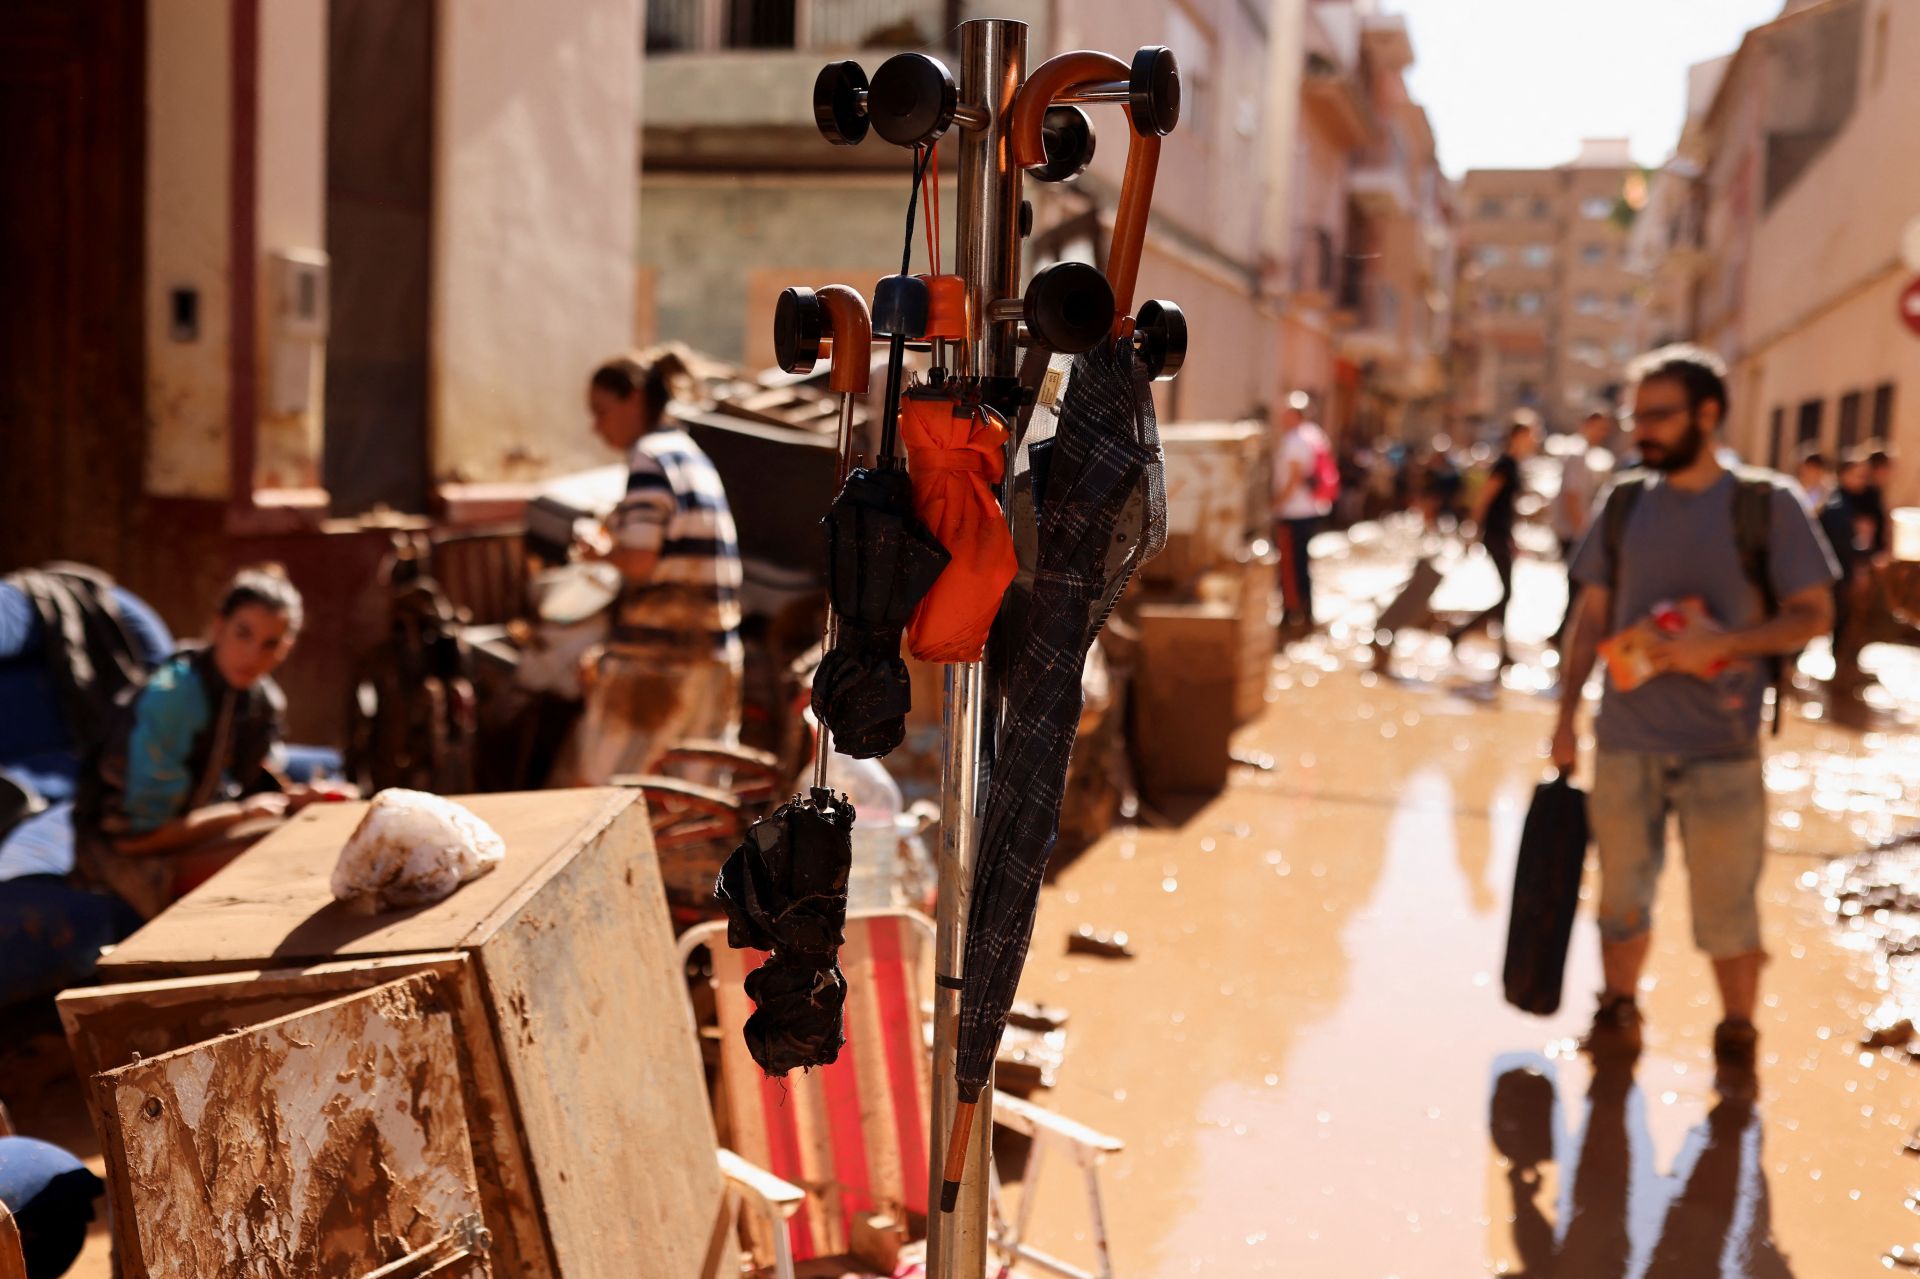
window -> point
(1528, 394)
(1849, 422)
(1808, 433)
(1490, 255)
(1626, 303)
(1527, 303)
(1623, 350)
(1537, 255)
(1492, 301)
(1587, 304)
(1595, 208)
(1541, 209)
(1491, 207)
(1589, 353)
(1882, 413)
(1777, 437)
(1594, 254)
(1578, 396)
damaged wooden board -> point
(329, 1142)
(275, 902)
(110, 1026)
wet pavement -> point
(1310, 1060)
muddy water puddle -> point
(1308, 1056)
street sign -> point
(1910, 305)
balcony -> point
(1380, 183)
(1373, 310)
(815, 26)
(1315, 276)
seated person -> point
(189, 771)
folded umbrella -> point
(957, 454)
(1101, 467)
(785, 892)
(881, 561)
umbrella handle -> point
(956, 1166)
(1149, 93)
(850, 328)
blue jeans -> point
(1721, 803)
(1296, 588)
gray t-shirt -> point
(1678, 544)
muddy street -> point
(1310, 1060)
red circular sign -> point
(1910, 305)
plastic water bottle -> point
(875, 879)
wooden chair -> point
(701, 797)
(483, 572)
(853, 1135)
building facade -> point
(744, 198)
(1548, 310)
(1369, 301)
(1779, 241)
(271, 263)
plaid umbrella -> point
(881, 560)
(785, 891)
(1103, 465)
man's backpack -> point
(1326, 476)
(1752, 534)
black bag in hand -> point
(1546, 891)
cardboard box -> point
(1185, 697)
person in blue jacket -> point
(191, 769)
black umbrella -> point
(881, 559)
(1103, 465)
(785, 890)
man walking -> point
(1686, 740)
(1303, 475)
(1580, 476)
(1495, 514)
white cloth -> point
(1302, 447)
(1579, 480)
(412, 848)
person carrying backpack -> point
(1306, 480)
(1739, 577)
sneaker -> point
(1616, 1028)
(1735, 1043)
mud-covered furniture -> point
(252, 1022)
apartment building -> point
(1369, 288)
(1774, 233)
(744, 198)
(1548, 309)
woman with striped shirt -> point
(671, 669)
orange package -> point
(957, 454)
(1628, 653)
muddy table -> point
(276, 1077)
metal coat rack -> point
(1011, 124)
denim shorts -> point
(1721, 803)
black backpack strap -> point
(1621, 500)
(1753, 533)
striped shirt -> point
(675, 504)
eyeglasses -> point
(1652, 417)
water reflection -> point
(1616, 1215)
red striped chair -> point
(853, 1136)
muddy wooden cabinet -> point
(504, 1083)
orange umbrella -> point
(957, 454)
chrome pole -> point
(993, 56)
